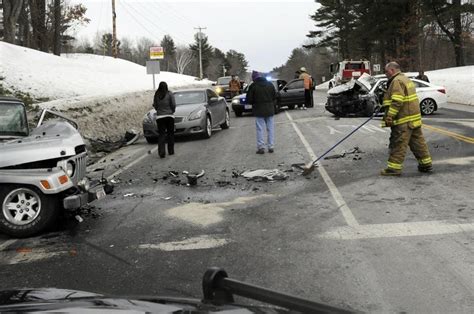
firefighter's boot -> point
(388, 172)
(425, 168)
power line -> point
(151, 21)
(137, 21)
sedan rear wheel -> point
(427, 106)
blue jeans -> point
(262, 123)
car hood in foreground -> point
(54, 139)
(72, 301)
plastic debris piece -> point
(264, 175)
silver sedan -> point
(198, 111)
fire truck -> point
(347, 70)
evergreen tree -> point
(170, 51)
(206, 50)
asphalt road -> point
(343, 236)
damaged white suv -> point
(41, 171)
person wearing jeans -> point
(165, 106)
(262, 95)
(263, 123)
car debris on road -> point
(262, 175)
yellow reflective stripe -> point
(387, 102)
(392, 111)
(399, 98)
(411, 97)
(406, 119)
(395, 166)
(425, 161)
(416, 123)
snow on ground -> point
(458, 81)
(45, 75)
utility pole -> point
(114, 31)
(223, 70)
(200, 49)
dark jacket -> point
(261, 95)
(165, 106)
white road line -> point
(409, 229)
(195, 243)
(342, 205)
(116, 173)
(6, 244)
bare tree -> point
(11, 12)
(183, 58)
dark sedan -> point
(292, 94)
(239, 102)
(198, 111)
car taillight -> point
(442, 90)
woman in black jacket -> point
(165, 106)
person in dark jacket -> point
(422, 76)
(262, 95)
(165, 106)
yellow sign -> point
(156, 53)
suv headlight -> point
(218, 90)
(236, 101)
(70, 168)
(195, 115)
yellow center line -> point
(460, 137)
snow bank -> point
(459, 83)
(44, 75)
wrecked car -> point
(355, 97)
(365, 95)
(42, 170)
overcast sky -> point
(265, 31)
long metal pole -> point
(200, 50)
(114, 31)
(200, 56)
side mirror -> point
(213, 99)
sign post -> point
(153, 66)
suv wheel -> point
(26, 211)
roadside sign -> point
(153, 67)
(156, 53)
(376, 67)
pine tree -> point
(170, 51)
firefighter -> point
(234, 86)
(402, 115)
(308, 88)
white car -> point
(431, 96)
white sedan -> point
(431, 96)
